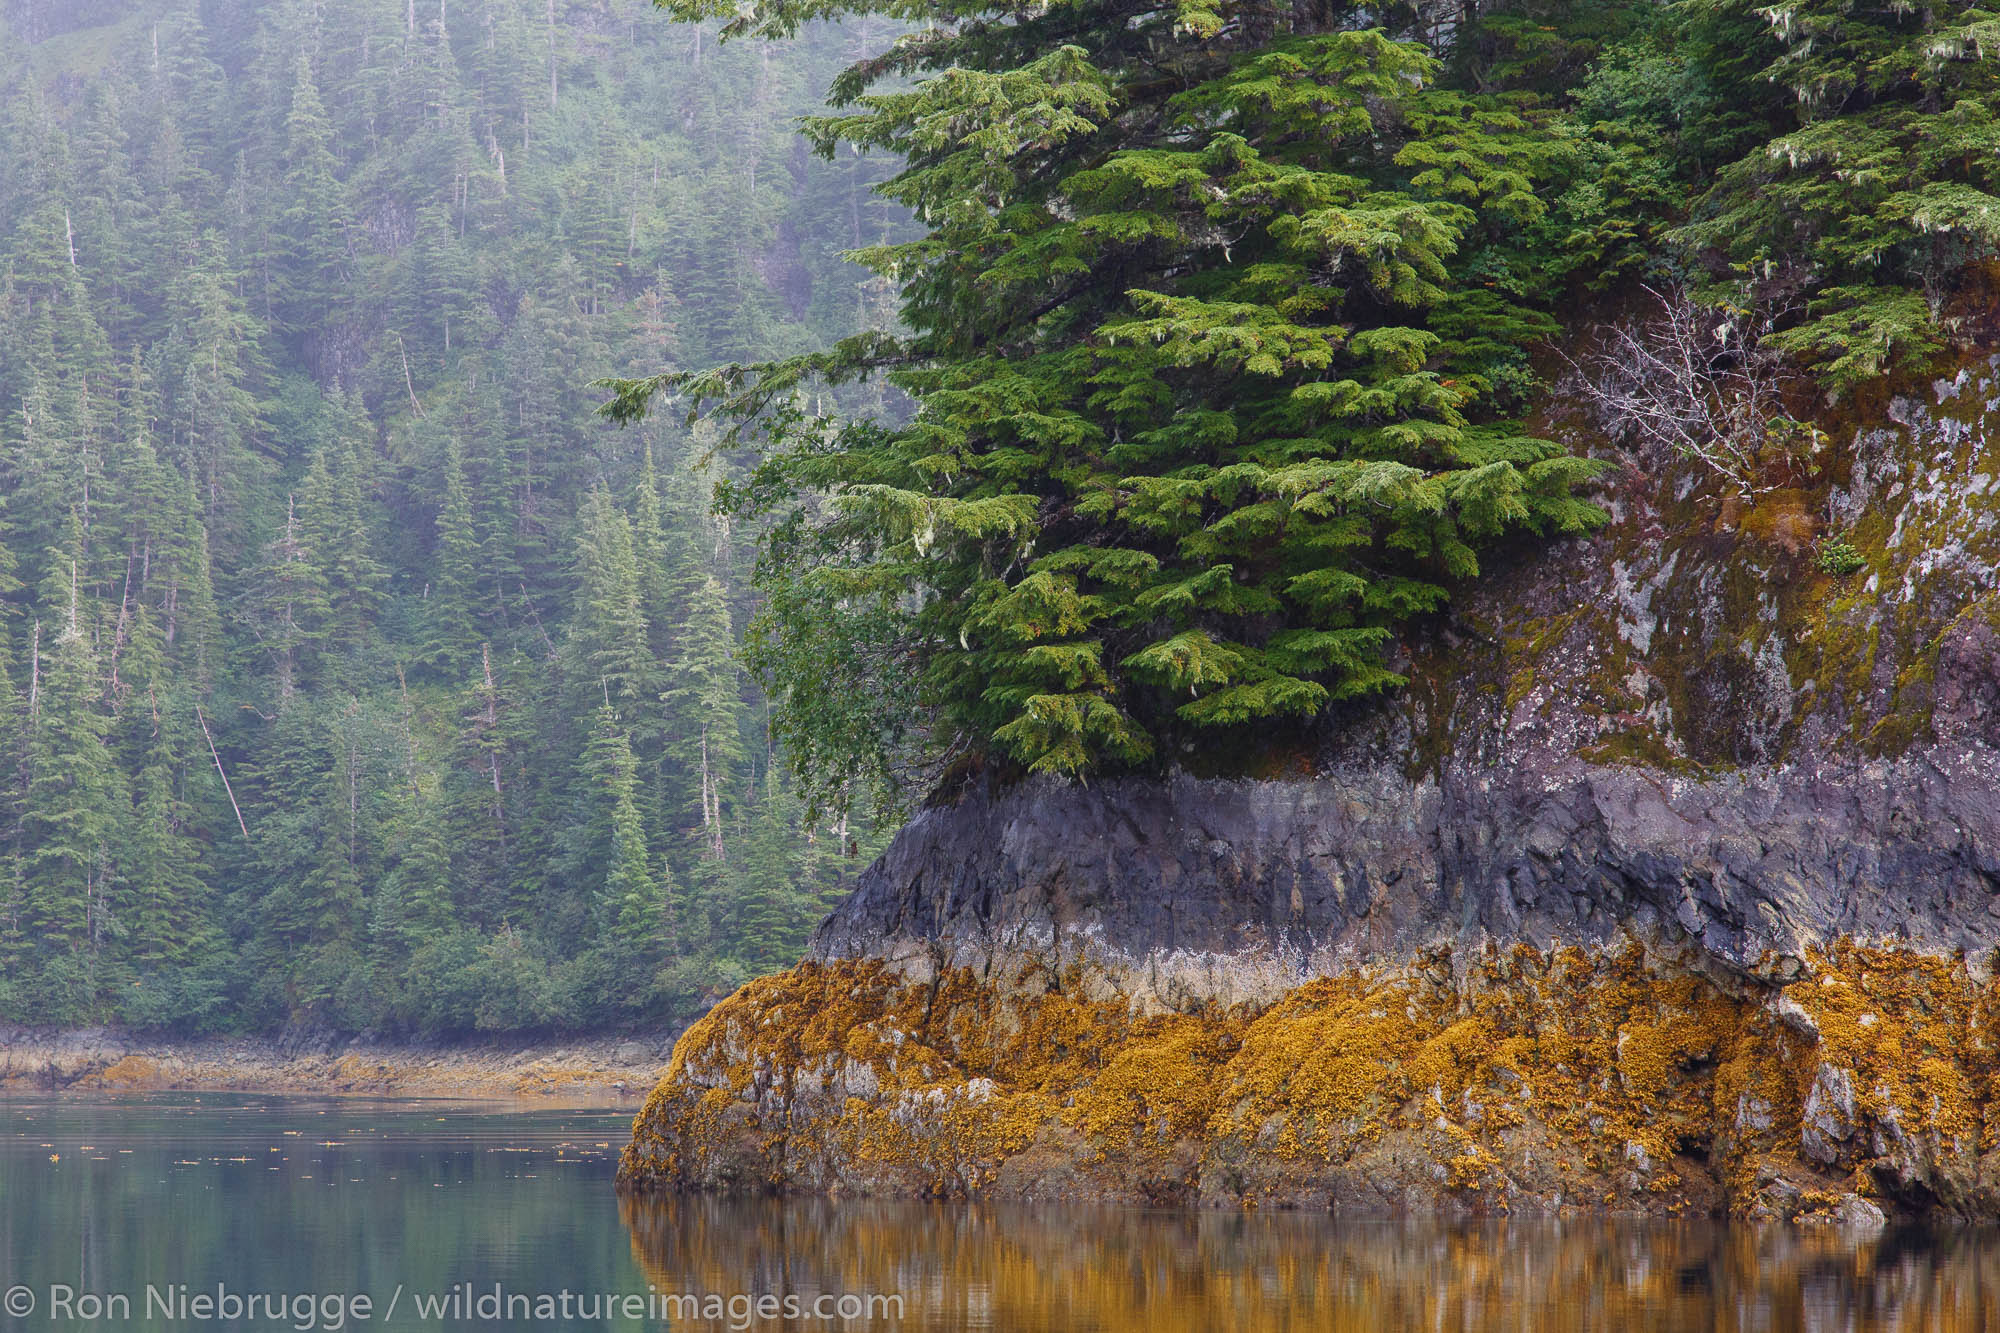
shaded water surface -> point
(503, 1211)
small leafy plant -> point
(1840, 559)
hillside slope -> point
(356, 676)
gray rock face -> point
(1828, 1119)
(1191, 890)
(1675, 729)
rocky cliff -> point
(1670, 883)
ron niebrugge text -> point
(179, 1302)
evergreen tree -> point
(657, 556)
(191, 623)
(1877, 190)
(452, 633)
(335, 533)
(312, 216)
(481, 790)
(772, 908)
(212, 368)
(161, 854)
(705, 705)
(289, 608)
(414, 906)
(610, 631)
(314, 841)
(73, 812)
(1191, 447)
(626, 902)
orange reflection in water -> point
(1080, 1269)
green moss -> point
(1907, 721)
(1532, 641)
(1642, 746)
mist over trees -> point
(353, 672)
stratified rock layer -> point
(1189, 892)
(1671, 882)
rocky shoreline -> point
(1460, 1068)
(1670, 884)
(600, 1071)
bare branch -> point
(1699, 383)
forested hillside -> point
(352, 671)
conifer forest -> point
(355, 672)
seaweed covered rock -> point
(1506, 1082)
(1671, 883)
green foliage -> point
(1876, 188)
(1839, 559)
(302, 491)
(1220, 318)
(1207, 351)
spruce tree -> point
(656, 553)
(190, 620)
(74, 809)
(335, 532)
(289, 608)
(771, 906)
(705, 715)
(414, 905)
(626, 902)
(1194, 442)
(611, 636)
(161, 852)
(212, 366)
(480, 791)
(451, 630)
(1878, 190)
(313, 214)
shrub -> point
(1840, 559)
(1706, 384)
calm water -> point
(360, 1214)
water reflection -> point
(119, 1194)
(292, 1195)
(1080, 1269)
